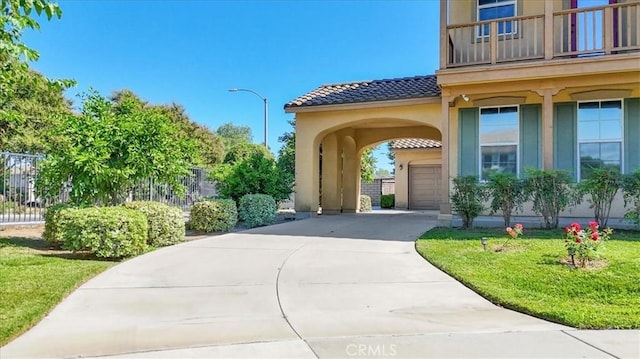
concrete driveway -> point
(333, 286)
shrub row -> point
(114, 232)
(550, 192)
(220, 215)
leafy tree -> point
(232, 135)
(109, 147)
(257, 174)
(15, 18)
(602, 185)
(368, 164)
(507, 194)
(287, 153)
(209, 149)
(391, 155)
(244, 150)
(38, 105)
(551, 193)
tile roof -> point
(414, 143)
(369, 91)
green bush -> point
(258, 210)
(166, 223)
(551, 193)
(631, 191)
(365, 203)
(387, 200)
(52, 231)
(214, 215)
(109, 232)
(601, 186)
(257, 173)
(467, 198)
(507, 194)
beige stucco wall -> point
(347, 132)
(407, 158)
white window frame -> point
(579, 142)
(514, 24)
(480, 144)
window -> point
(499, 137)
(497, 9)
(599, 136)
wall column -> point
(547, 127)
(350, 176)
(307, 187)
(445, 205)
(331, 175)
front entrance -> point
(425, 186)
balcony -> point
(585, 32)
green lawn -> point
(531, 278)
(33, 279)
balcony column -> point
(444, 34)
(445, 205)
(547, 94)
(548, 29)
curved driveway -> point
(333, 286)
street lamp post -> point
(266, 112)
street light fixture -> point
(266, 112)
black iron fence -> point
(22, 202)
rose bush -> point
(585, 244)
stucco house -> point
(548, 84)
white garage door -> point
(424, 187)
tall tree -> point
(15, 18)
(109, 147)
(287, 153)
(368, 164)
(209, 149)
(232, 135)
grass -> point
(34, 278)
(531, 278)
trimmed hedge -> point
(258, 210)
(387, 200)
(214, 215)
(166, 223)
(52, 231)
(109, 232)
(365, 203)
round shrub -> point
(52, 233)
(257, 210)
(365, 203)
(166, 223)
(108, 232)
(387, 200)
(214, 215)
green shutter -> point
(530, 137)
(631, 134)
(565, 137)
(468, 141)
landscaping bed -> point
(533, 275)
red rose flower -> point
(593, 225)
(575, 226)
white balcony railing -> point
(593, 31)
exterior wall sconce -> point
(401, 167)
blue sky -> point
(192, 52)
